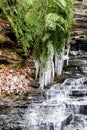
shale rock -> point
(79, 30)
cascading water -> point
(58, 109)
(62, 107)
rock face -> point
(79, 30)
(8, 44)
(11, 53)
(15, 69)
(16, 114)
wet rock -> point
(85, 82)
(78, 93)
(67, 121)
(83, 109)
(77, 62)
(79, 123)
(10, 123)
(68, 83)
(81, 44)
(79, 31)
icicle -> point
(52, 72)
(67, 58)
(59, 61)
(58, 65)
(54, 65)
(48, 73)
(41, 81)
(37, 67)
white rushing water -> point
(59, 110)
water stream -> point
(61, 107)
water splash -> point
(52, 116)
(58, 108)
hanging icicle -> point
(54, 39)
(67, 58)
(59, 61)
(37, 66)
(54, 65)
(48, 73)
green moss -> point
(38, 22)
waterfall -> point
(58, 110)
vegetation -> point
(43, 24)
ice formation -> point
(37, 67)
(54, 65)
(48, 72)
